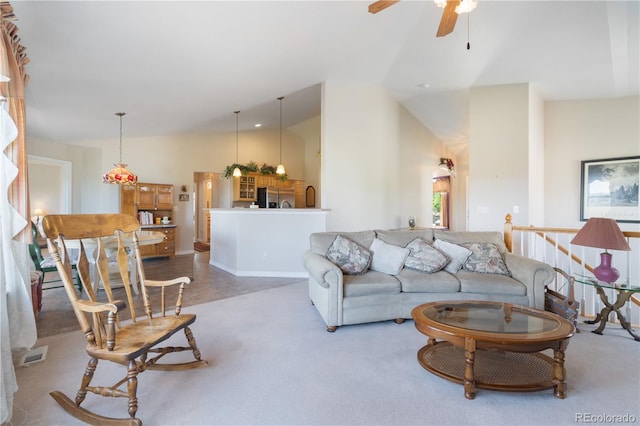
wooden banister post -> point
(508, 232)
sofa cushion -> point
(349, 256)
(437, 282)
(371, 283)
(321, 241)
(402, 237)
(458, 255)
(471, 237)
(387, 258)
(485, 258)
(424, 258)
(474, 282)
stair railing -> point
(552, 246)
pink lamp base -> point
(605, 272)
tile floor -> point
(208, 284)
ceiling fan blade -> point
(380, 5)
(449, 18)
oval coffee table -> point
(492, 345)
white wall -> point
(499, 170)
(584, 130)
(536, 158)
(309, 130)
(377, 160)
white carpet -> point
(272, 362)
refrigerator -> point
(270, 197)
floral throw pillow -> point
(349, 256)
(485, 258)
(424, 258)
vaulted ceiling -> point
(179, 67)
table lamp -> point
(600, 232)
(38, 213)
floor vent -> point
(33, 355)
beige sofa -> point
(343, 299)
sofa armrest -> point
(322, 270)
(535, 275)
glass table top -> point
(633, 286)
(492, 317)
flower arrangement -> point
(447, 162)
(252, 167)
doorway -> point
(210, 191)
(49, 185)
(441, 203)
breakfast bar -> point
(251, 242)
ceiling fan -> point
(452, 8)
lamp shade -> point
(120, 175)
(602, 233)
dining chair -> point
(46, 264)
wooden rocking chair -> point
(132, 343)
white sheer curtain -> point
(17, 323)
(16, 315)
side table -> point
(624, 292)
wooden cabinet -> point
(128, 200)
(166, 248)
(244, 188)
(148, 202)
(154, 196)
(299, 193)
(263, 180)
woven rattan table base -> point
(497, 370)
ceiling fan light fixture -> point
(466, 6)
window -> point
(440, 201)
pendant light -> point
(236, 171)
(119, 174)
(280, 169)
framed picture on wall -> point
(609, 188)
(183, 197)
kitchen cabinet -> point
(244, 188)
(154, 196)
(264, 180)
(149, 203)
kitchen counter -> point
(263, 242)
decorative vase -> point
(412, 222)
(605, 272)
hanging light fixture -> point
(119, 174)
(280, 169)
(237, 172)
